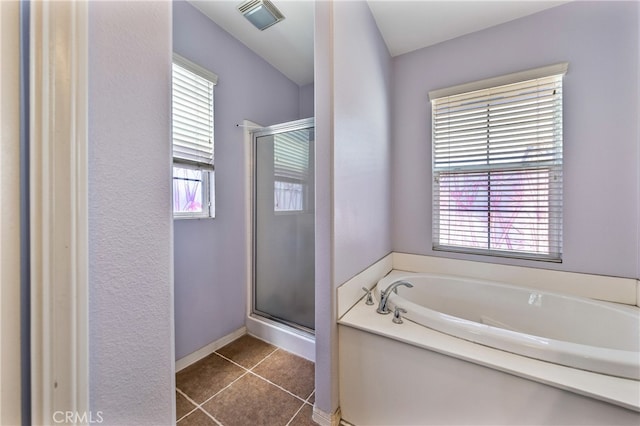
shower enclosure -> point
(283, 224)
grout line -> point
(186, 396)
(232, 362)
(199, 406)
(309, 397)
(190, 412)
(223, 389)
(246, 371)
(190, 400)
(210, 416)
(242, 366)
(263, 378)
(267, 356)
(276, 385)
(295, 414)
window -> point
(291, 170)
(192, 122)
(497, 166)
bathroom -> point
(378, 115)
(372, 176)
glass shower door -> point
(284, 249)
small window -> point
(291, 171)
(497, 168)
(192, 123)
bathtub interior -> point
(532, 312)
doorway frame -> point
(58, 122)
(10, 218)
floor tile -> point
(203, 379)
(183, 406)
(197, 418)
(290, 371)
(304, 417)
(252, 401)
(247, 350)
(312, 398)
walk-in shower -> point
(283, 224)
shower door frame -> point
(255, 133)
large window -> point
(192, 121)
(497, 166)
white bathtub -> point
(580, 333)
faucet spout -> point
(384, 295)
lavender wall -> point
(638, 155)
(131, 371)
(362, 129)
(210, 255)
(352, 83)
(601, 189)
(326, 367)
(306, 99)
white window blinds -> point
(291, 155)
(497, 170)
(192, 114)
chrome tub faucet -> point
(384, 295)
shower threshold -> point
(291, 338)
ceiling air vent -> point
(261, 13)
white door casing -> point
(59, 210)
(10, 356)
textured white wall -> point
(130, 224)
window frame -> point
(304, 196)
(291, 176)
(208, 195)
(207, 189)
(554, 172)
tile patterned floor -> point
(247, 382)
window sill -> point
(192, 217)
(497, 253)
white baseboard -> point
(209, 349)
(326, 419)
(283, 337)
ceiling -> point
(287, 45)
(405, 26)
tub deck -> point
(613, 390)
